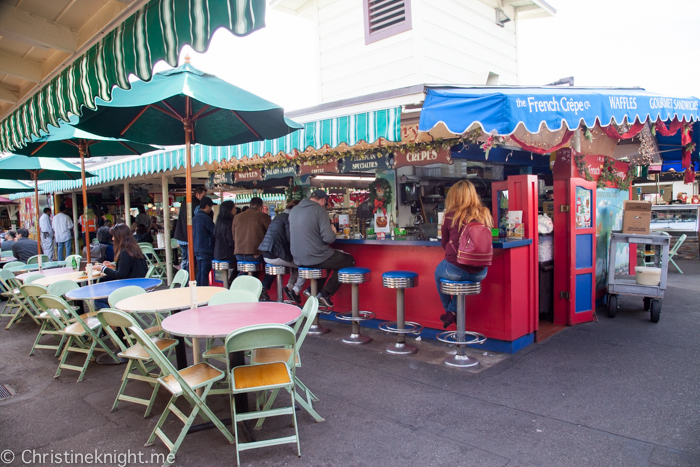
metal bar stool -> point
(400, 280)
(279, 271)
(459, 337)
(223, 266)
(249, 267)
(355, 276)
(314, 274)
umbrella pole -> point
(35, 176)
(86, 222)
(188, 187)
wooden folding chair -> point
(15, 300)
(135, 353)
(51, 320)
(301, 328)
(83, 335)
(183, 383)
(263, 377)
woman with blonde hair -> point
(462, 207)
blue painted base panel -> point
(492, 345)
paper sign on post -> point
(514, 219)
(193, 294)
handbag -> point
(475, 245)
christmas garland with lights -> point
(608, 174)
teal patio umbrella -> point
(8, 187)
(68, 141)
(185, 106)
(18, 167)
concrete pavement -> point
(620, 391)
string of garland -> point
(608, 174)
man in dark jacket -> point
(203, 237)
(24, 247)
(311, 235)
(181, 227)
(249, 228)
(6, 245)
(275, 250)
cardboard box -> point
(548, 208)
(636, 217)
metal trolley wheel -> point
(655, 310)
(613, 302)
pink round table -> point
(45, 272)
(209, 322)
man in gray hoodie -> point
(311, 236)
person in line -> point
(142, 235)
(276, 251)
(106, 216)
(249, 228)
(24, 247)
(181, 227)
(203, 237)
(154, 228)
(462, 206)
(311, 235)
(63, 229)
(143, 217)
(130, 264)
(88, 221)
(105, 238)
(46, 233)
(6, 245)
(223, 234)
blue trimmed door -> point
(582, 248)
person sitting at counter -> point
(311, 235)
(462, 206)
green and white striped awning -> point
(158, 31)
(358, 130)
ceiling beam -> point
(20, 68)
(7, 95)
(24, 27)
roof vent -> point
(384, 18)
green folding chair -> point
(13, 264)
(35, 259)
(183, 383)
(129, 291)
(136, 355)
(32, 277)
(61, 288)
(301, 328)
(225, 298)
(180, 279)
(674, 251)
(51, 320)
(249, 283)
(16, 306)
(261, 378)
(83, 335)
(153, 261)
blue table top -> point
(103, 289)
(499, 243)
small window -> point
(385, 18)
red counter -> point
(503, 312)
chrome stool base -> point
(356, 339)
(461, 361)
(401, 348)
(318, 330)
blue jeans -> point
(203, 268)
(184, 264)
(267, 280)
(63, 249)
(449, 271)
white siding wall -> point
(452, 41)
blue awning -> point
(502, 109)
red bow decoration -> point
(379, 204)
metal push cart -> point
(627, 285)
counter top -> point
(501, 243)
